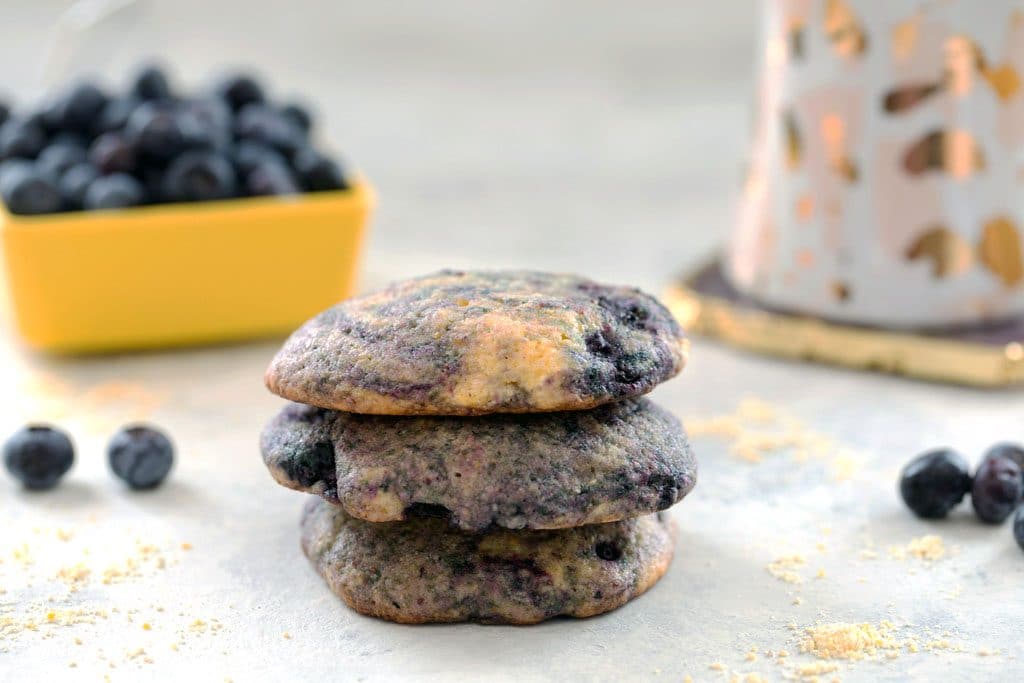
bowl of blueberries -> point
(147, 216)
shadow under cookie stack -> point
(480, 448)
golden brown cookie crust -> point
(472, 343)
(424, 571)
(539, 471)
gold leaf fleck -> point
(844, 30)
(904, 38)
(949, 253)
(907, 97)
(794, 143)
(1000, 251)
(805, 208)
(1004, 80)
(954, 152)
(840, 290)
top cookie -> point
(471, 343)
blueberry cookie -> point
(470, 343)
(425, 571)
(541, 471)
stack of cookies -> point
(479, 446)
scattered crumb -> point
(784, 568)
(286, 635)
(820, 574)
(717, 666)
(927, 548)
(797, 600)
(987, 652)
(147, 627)
(186, 546)
(72, 665)
(849, 641)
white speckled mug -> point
(886, 180)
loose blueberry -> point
(299, 115)
(199, 176)
(271, 178)
(1018, 527)
(151, 83)
(1012, 451)
(38, 456)
(239, 90)
(74, 183)
(21, 138)
(26, 190)
(112, 153)
(155, 130)
(81, 106)
(58, 157)
(998, 489)
(319, 173)
(935, 482)
(117, 191)
(141, 456)
(115, 114)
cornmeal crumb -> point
(927, 548)
(848, 641)
(717, 666)
(186, 546)
(147, 627)
(820, 574)
(286, 635)
(784, 568)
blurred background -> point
(585, 135)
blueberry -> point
(151, 83)
(248, 154)
(57, 158)
(21, 138)
(209, 123)
(67, 137)
(262, 124)
(115, 114)
(26, 190)
(1018, 527)
(1012, 451)
(199, 176)
(81, 106)
(112, 153)
(141, 456)
(998, 489)
(156, 131)
(271, 178)
(74, 183)
(299, 115)
(239, 90)
(117, 191)
(318, 172)
(38, 456)
(935, 482)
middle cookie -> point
(537, 471)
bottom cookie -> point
(423, 570)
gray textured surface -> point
(575, 135)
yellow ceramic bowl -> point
(181, 273)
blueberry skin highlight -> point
(38, 456)
(141, 456)
(934, 483)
